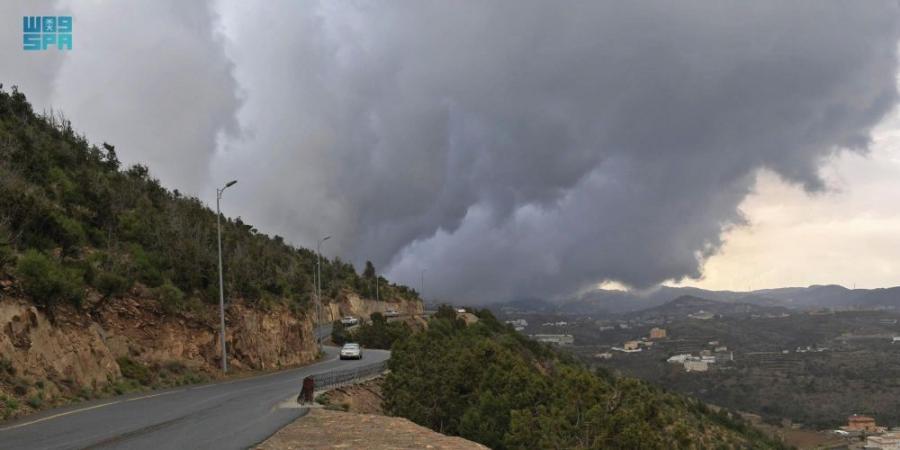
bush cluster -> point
(80, 219)
(489, 384)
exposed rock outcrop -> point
(354, 305)
(72, 350)
(58, 357)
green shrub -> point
(134, 370)
(6, 368)
(46, 281)
(6, 255)
(67, 232)
(11, 403)
(171, 298)
(380, 333)
(146, 267)
(35, 401)
(339, 334)
(111, 284)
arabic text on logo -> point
(43, 32)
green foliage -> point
(7, 369)
(111, 284)
(482, 382)
(35, 401)
(380, 333)
(134, 370)
(6, 256)
(11, 403)
(58, 192)
(171, 298)
(369, 271)
(67, 232)
(46, 281)
(339, 333)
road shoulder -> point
(327, 429)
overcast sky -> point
(510, 148)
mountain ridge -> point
(618, 302)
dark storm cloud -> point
(512, 148)
(537, 148)
(149, 77)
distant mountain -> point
(602, 302)
(688, 305)
(834, 296)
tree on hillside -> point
(482, 382)
(92, 224)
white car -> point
(351, 350)
(349, 320)
(391, 313)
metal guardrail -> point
(342, 377)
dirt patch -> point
(364, 398)
(324, 429)
(797, 437)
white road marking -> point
(55, 416)
(59, 415)
(154, 395)
(74, 411)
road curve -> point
(227, 415)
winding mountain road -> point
(232, 414)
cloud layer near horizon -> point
(510, 148)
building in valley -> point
(657, 333)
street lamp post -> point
(221, 286)
(319, 283)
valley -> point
(808, 368)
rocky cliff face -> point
(71, 351)
(258, 339)
(354, 305)
(56, 355)
(55, 358)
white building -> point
(886, 441)
(679, 359)
(696, 366)
(556, 339)
(518, 324)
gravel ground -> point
(325, 429)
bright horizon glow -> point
(848, 235)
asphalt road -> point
(228, 415)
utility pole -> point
(319, 284)
(377, 298)
(221, 285)
(422, 286)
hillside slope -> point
(488, 383)
(108, 281)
